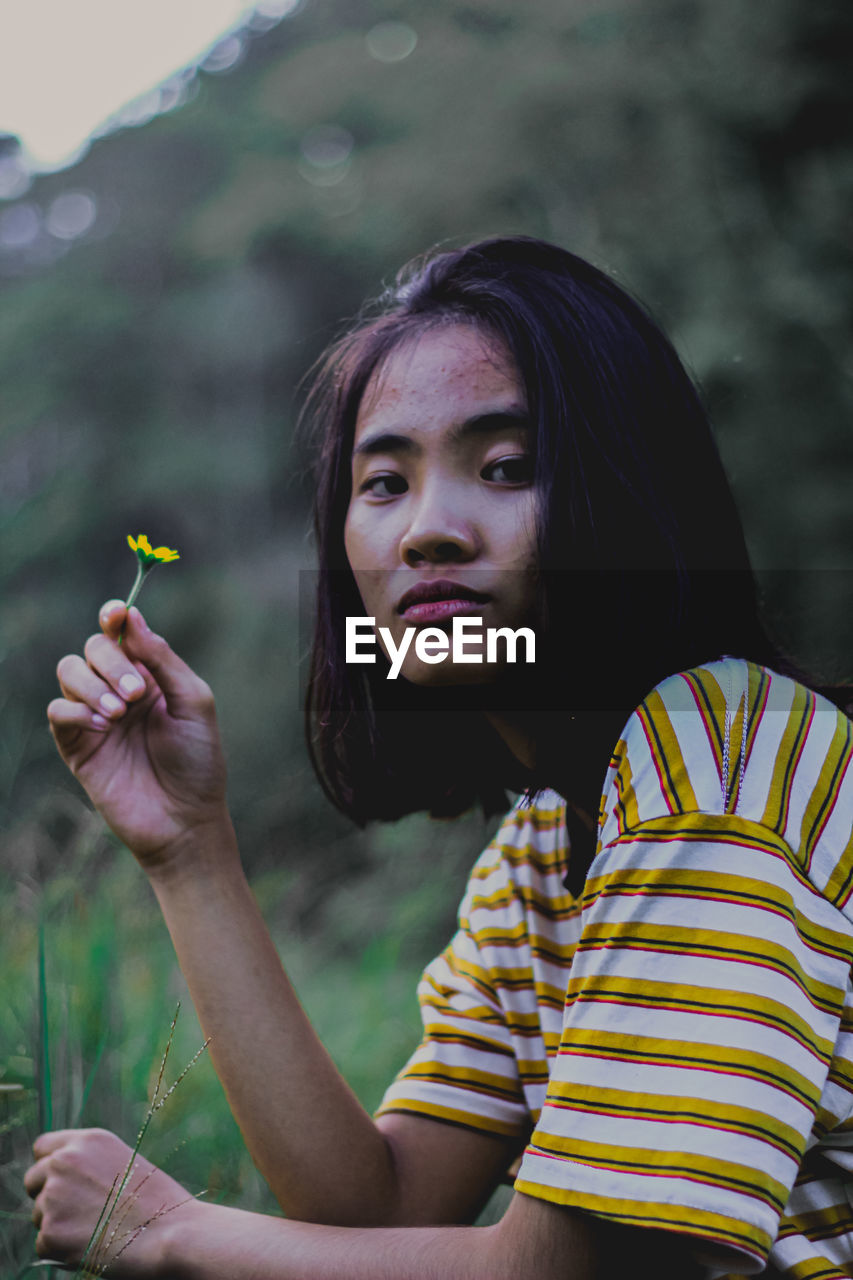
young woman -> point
(648, 998)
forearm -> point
(217, 1243)
(321, 1153)
(231, 1244)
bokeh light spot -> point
(224, 55)
(391, 41)
(14, 180)
(71, 215)
(19, 226)
(327, 146)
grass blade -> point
(45, 1092)
(90, 1079)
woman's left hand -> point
(75, 1172)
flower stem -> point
(141, 571)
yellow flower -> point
(147, 555)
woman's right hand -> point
(137, 728)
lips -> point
(440, 597)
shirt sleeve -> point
(702, 1010)
(464, 1070)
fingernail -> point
(111, 704)
(110, 607)
(98, 722)
(131, 684)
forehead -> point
(447, 374)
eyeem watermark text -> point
(432, 644)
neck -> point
(525, 735)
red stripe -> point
(671, 1119)
(682, 1065)
(836, 792)
(641, 712)
(631, 1003)
(701, 707)
(656, 1173)
(616, 891)
(696, 952)
(798, 753)
(711, 836)
(620, 804)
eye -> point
(514, 469)
(387, 484)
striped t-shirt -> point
(677, 1042)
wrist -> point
(205, 849)
(216, 1242)
(174, 1247)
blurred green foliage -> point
(149, 367)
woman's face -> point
(441, 522)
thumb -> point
(186, 693)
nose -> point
(438, 532)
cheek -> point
(519, 535)
(361, 554)
(361, 540)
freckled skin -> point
(444, 502)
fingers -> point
(186, 693)
(98, 689)
(46, 1143)
(112, 618)
(43, 1148)
(36, 1177)
(104, 693)
(120, 680)
(67, 717)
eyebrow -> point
(482, 424)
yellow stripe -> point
(782, 778)
(703, 1002)
(678, 1109)
(830, 774)
(667, 750)
(714, 716)
(815, 1267)
(714, 945)
(561, 906)
(839, 885)
(505, 976)
(493, 935)
(540, 819)
(432, 993)
(543, 862)
(503, 1089)
(820, 1224)
(654, 1162)
(675, 883)
(695, 1055)
(670, 1217)
(628, 813)
(705, 828)
(443, 1032)
(466, 1119)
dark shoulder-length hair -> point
(643, 566)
